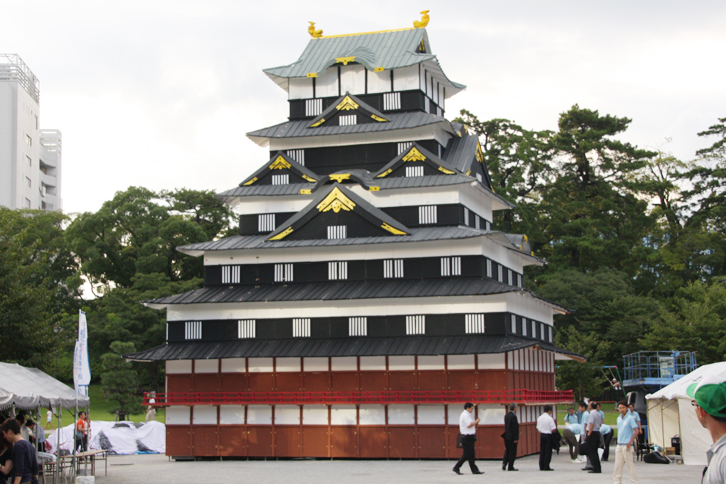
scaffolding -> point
(657, 368)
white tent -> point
(29, 388)
(671, 413)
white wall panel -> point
(231, 414)
(401, 415)
(372, 415)
(288, 364)
(287, 415)
(234, 365)
(460, 362)
(348, 363)
(379, 81)
(401, 363)
(431, 415)
(491, 361)
(301, 88)
(491, 414)
(178, 366)
(326, 84)
(259, 415)
(352, 79)
(315, 364)
(406, 78)
(205, 415)
(206, 366)
(431, 362)
(372, 363)
(177, 415)
(343, 415)
(259, 365)
(315, 415)
(454, 413)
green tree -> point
(120, 381)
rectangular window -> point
(489, 268)
(393, 268)
(337, 271)
(414, 171)
(534, 329)
(519, 280)
(193, 330)
(301, 328)
(231, 274)
(28, 140)
(337, 232)
(500, 273)
(358, 326)
(403, 147)
(27, 203)
(246, 328)
(474, 323)
(348, 120)
(477, 222)
(451, 266)
(391, 101)
(28, 182)
(427, 214)
(549, 330)
(266, 222)
(313, 107)
(488, 225)
(510, 278)
(478, 177)
(281, 179)
(283, 273)
(415, 324)
(298, 155)
(514, 324)
(466, 216)
(524, 326)
(542, 332)
(28, 160)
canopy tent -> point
(670, 413)
(29, 388)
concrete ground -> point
(143, 469)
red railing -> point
(355, 398)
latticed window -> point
(301, 327)
(246, 328)
(193, 330)
(393, 268)
(474, 323)
(230, 274)
(415, 324)
(358, 326)
(283, 272)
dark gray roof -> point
(367, 211)
(355, 346)
(341, 290)
(261, 242)
(460, 152)
(298, 129)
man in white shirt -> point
(546, 426)
(467, 428)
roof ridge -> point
(366, 33)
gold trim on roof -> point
(318, 123)
(347, 104)
(312, 74)
(374, 189)
(280, 164)
(387, 172)
(250, 182)
(345, 60)
(378, 118)
(336, 201)
(282, 234)
(311, 180)
(378, 69)
(445, 171)
(479, 153)
(340, 177)
(468, 172)
(393, 230)
(365, 33)
(306, 191)
(414, 155)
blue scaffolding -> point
(652, 370)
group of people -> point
(17, 456)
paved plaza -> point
(142, 469)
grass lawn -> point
(100, 410)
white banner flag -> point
(81, 365)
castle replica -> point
(368, 295)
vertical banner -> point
(81, 365)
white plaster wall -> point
(406, 78)
(379, 81)
(326, 84)
(301, 88)
(352, 79)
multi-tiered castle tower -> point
(367, 295)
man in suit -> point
(511, 438)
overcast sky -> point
(161, 93)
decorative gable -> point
(281, 170)
(347, 111)
(338, 213)
(415, 161)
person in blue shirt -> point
(607, 436)
(571, 417)
(584, 413)
(624, 452)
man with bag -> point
(467, 429)
(511, 437)
(627, 435)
